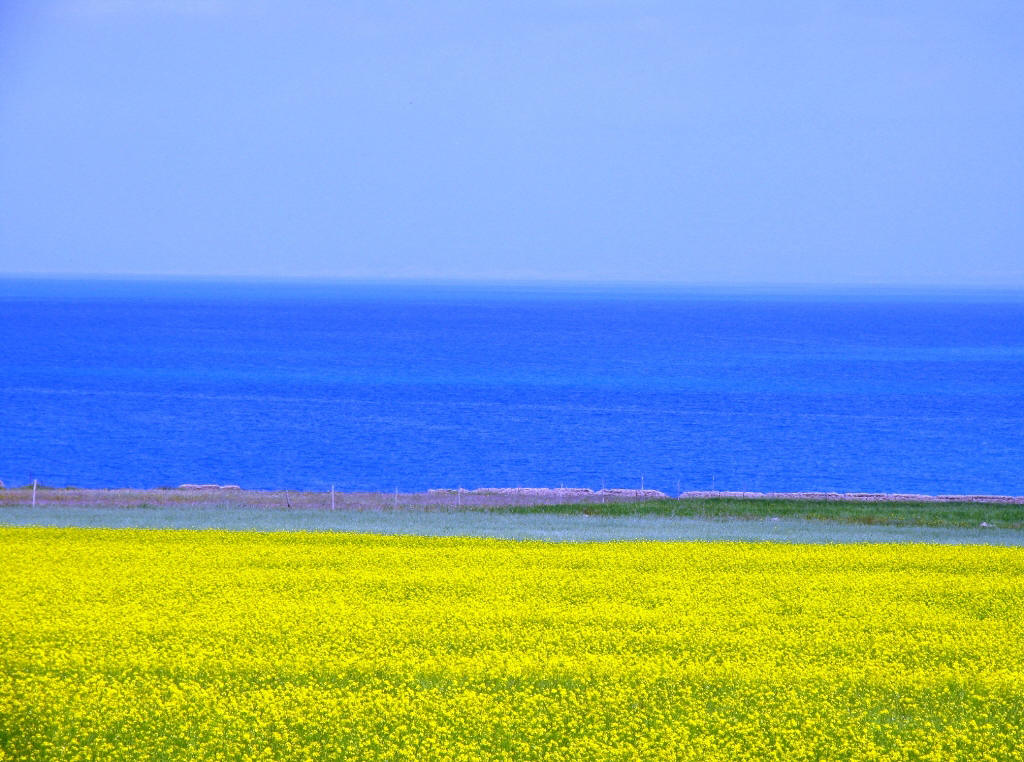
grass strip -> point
(1007, 516)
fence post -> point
(35, 483)
(332, 497)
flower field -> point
(129, 644)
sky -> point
(719, 142)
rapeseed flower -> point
(127, 644)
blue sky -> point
(705, 143)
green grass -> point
(900, 514)
(927, 514)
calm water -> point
(370, 387)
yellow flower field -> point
(128, 644)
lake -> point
(376, 387)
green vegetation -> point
(958, 515)
(1009, 516)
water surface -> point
(373, 387)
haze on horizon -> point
(819, 143)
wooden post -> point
(332, 497)
(35, 483)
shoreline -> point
(564, 514)
(482, 497)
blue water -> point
(376, 387)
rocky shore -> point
(855, 497)
(483, 497)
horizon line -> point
(519, 282)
